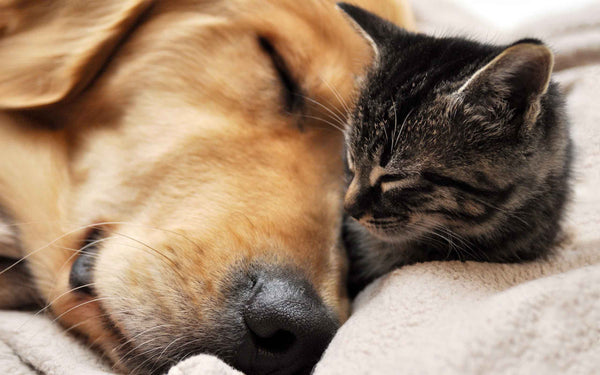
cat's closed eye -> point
(395, 181)
(392, 177)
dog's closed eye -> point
(293, 98)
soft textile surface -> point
(443, 317)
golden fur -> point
(162, 123)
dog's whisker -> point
(98, 299)
(138, 335)
(143, 353)
(146, 354)
(168, 346)
(60, 296)
(76, 253)
(129, 223)
(157, 252)
(84, 321)
(20, 260)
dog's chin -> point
(139, 351)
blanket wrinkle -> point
(457, 318)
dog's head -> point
(203, 167)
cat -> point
(456, 150)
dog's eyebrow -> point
(292, 93)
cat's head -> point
(447, 132)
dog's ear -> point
(50, 49)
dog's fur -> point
(164, 124)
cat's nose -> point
(354, 202)
(357, 205)
(288, 327)
(354, 210)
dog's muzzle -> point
(274, 320)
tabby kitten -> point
(456, 150)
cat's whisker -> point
(403, 125)
(337, 95)
(395, 124)
(335, 116)
(466, 246)
(325, 121)
(507, 213)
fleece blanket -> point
(443, 317)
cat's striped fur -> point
(456, 150)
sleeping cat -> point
(455, 150)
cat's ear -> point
(516, 78)
(375, 29)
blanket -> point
(443, 317)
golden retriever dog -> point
(171, 175)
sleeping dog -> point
(170, 174)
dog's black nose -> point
(288, 327)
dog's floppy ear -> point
(50, 49)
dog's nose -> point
(288, 328)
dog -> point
(171, 177)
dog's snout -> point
(288, 327)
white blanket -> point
(443, 317)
